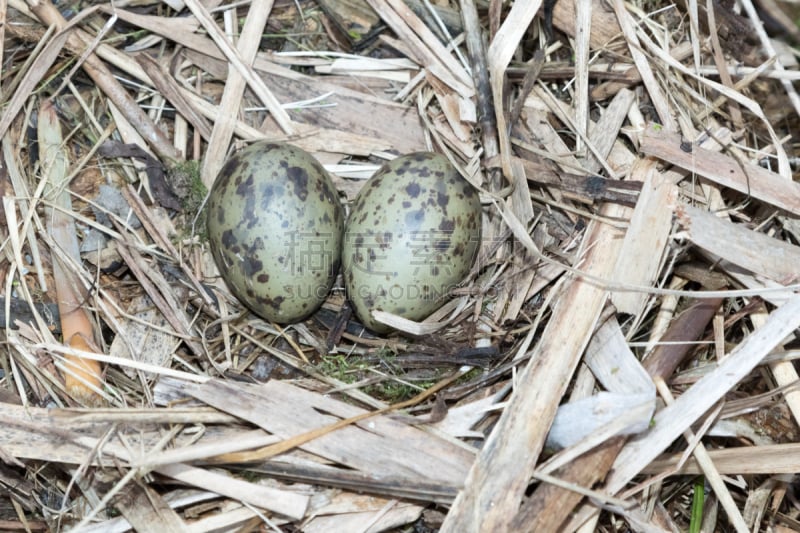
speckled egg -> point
(411, 237)
(275, 227)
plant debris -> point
(622, 355)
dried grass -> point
(623, 354)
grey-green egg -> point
(275, 227)
(411, 237)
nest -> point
(620, 357)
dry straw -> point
(629, 324)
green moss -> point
(184, 178)
(391, 391)
(187, 184)
(346, 369)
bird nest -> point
(621, 355)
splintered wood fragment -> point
(628, 26)
(754, 251)
(604, 133)
(386, 123)
(549, 506)
(416, 34)
(347, 512)
(377, 445)
(521, 273)
(532, 70)
(59, 436)
(677, 341)
(613, 363)
(69, 435)
(501, 50)
(583, 27)
(47, 435)
(499, 477)
(221, 447)
(390, 486)
(584, 189)
(605, 27)
(19, 183)
(235, 58)
(701, 273)
(722, 169)
(169, 89)
(672, 421)
(235, 84)
(583, 423)
(476, 49)
(646, 238)
(752, 460)
(142, 507)
(287, 503)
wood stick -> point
(235, 58)
(498, 479)
(724, 170)
(480, 77)
(676, 341)
(672, 421)
(744, 460)
(230, 104)
(549, 505)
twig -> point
(235, 58)
(480, 76)
(105, 80)
(235, 85)
(672, 421)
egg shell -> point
(411, 237)
(275, 227)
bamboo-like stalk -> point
(82, 376)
